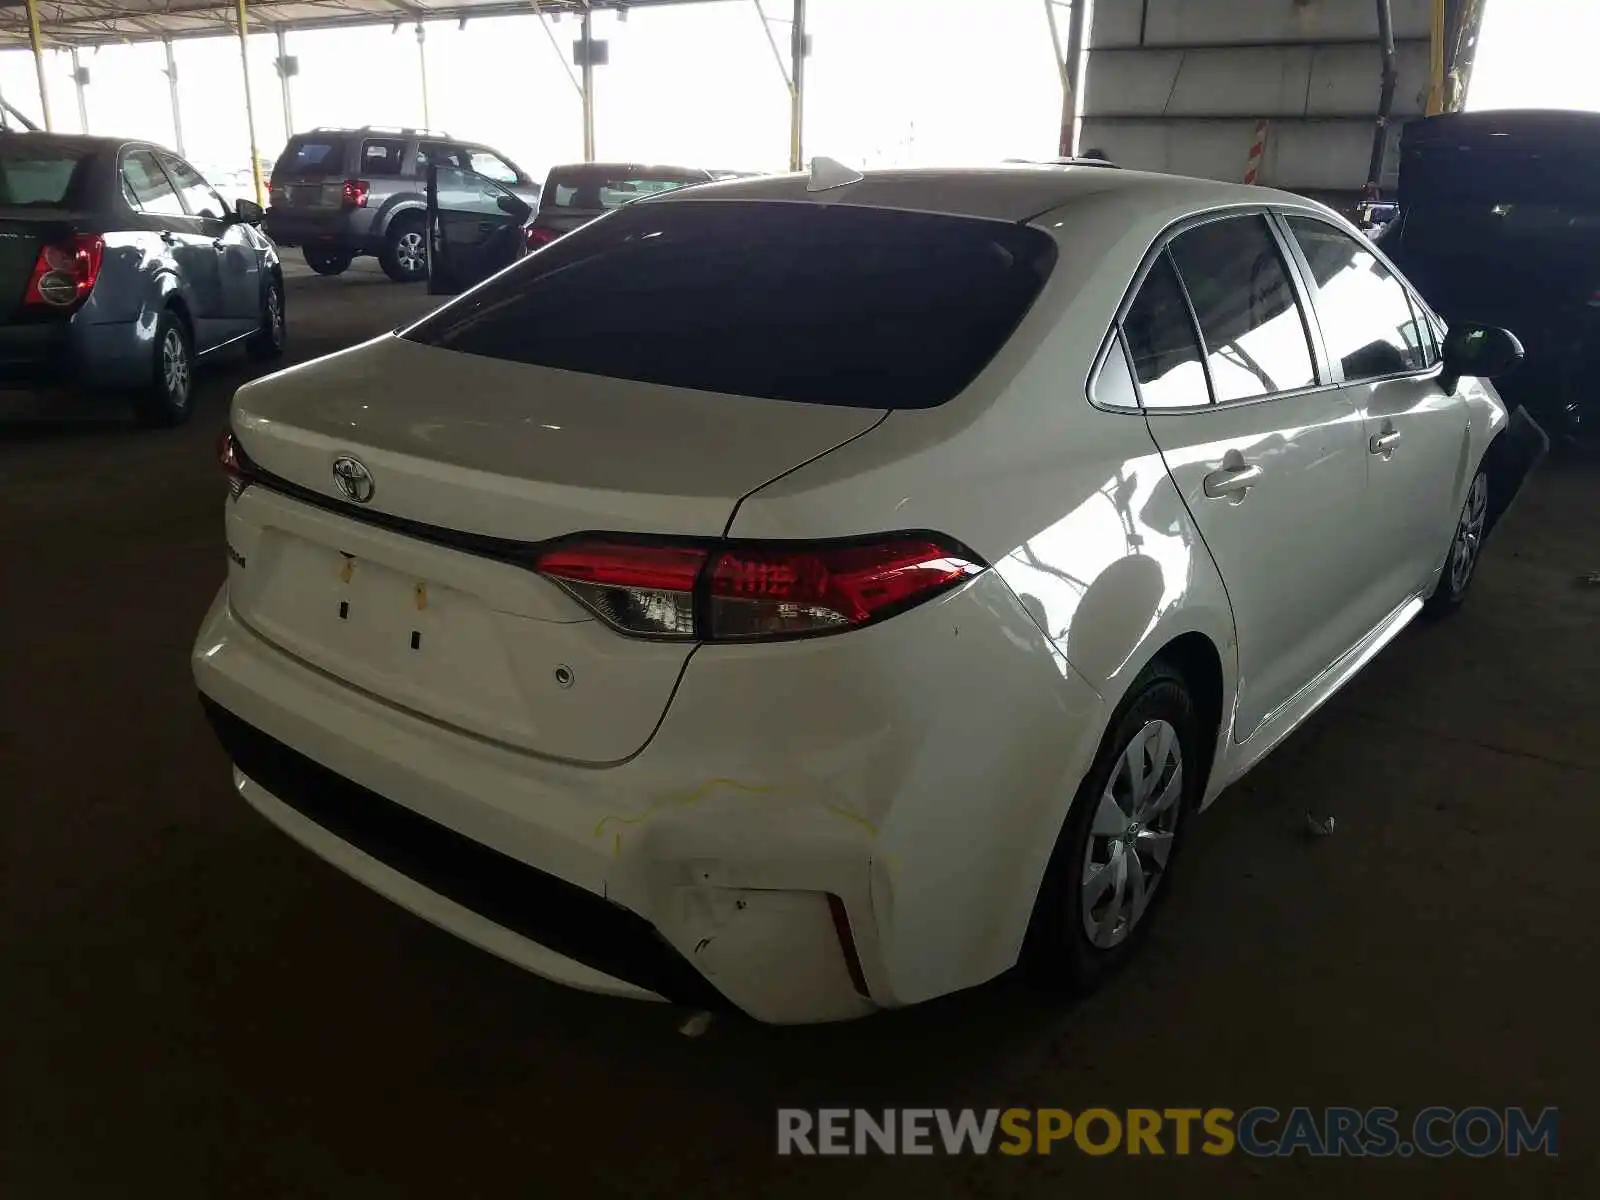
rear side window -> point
(1366, 313)
(597, 188)
(38, 176)
(149, 186)
(311, 156)
(1163, 345)
(822, 304)
(382, 156)
(1254, 332)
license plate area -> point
(408, 639)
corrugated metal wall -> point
(1179, 85)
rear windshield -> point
(39, 176)
(823, 304)
(318, 154)
(602, 188)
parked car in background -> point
(576, 194)
(477, 225)
(122, 267)
(815, 597)
(1499, 222)
(342, 193)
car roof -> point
(78, 141)
(1010, 192)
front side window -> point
(1367, 317)
(492, 166)
(149, 185)
(198, 196)
(440, 155)
(812, 303)
(1162, 343)
(1255, 334)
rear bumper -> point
(73, 353)
(817, 830)
(347, 229)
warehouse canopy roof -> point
(97, 22)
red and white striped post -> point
(1258, 151)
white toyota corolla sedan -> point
(813, 595)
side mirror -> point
(249, 212)
(1478, 352)
(511, 206)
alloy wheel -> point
(1132, 834)
(175, 367)
(275, 316)
(1469, 534)
(409, 251)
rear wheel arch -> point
(1196, 658)
(178, 307)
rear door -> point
(1270, 462)
(475, 228)
(237, 258)
(1383, 352)
(197, 264)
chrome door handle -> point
(1231, 482)
(1384, 443)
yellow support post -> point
(38, 60)
(1436, 97)
(249, 108)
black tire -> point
(328, 262)
(268, 341)
(405, 249)
(168, 399)
(1059, 952)
(1466, 551)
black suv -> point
(339, 193)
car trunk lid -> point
(422, 594)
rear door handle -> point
(1231, 481)
(168, 236)
(1384, 443)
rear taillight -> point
(234, 463)
(355, 192)
(64, 273)
(751, 591)
(537, 237)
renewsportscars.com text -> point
(1262, 1132)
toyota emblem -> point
(353, 479)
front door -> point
(1270, 462)
(1415, 432)
(238, 263)
(475, 228)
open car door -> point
(475, 228)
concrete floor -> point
(192, 1006)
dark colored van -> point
(1499, 223)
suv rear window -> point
(38, 176)
(822, 304)
(595, 188)
(312, 155)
